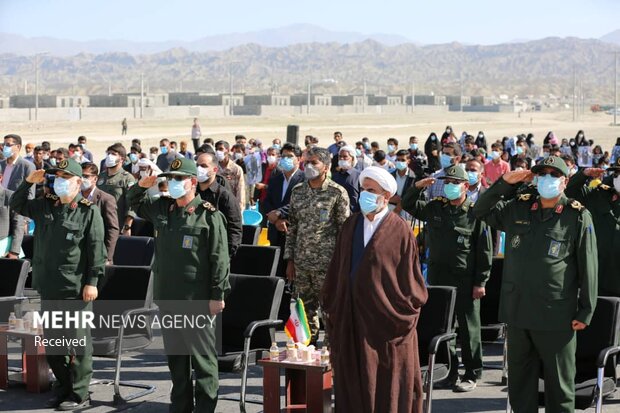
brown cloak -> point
(372, 321)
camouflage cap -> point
(554, 162)
(69, 166)
(181, 167)
(615, 166)
(454, 172)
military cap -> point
(181, 167)
(615, 166)
(553, 162)
(69, 166)
(454, 172)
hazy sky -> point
(435, 21)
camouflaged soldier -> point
(318, 209)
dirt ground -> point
(377, 127)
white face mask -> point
(344, 164)
(617, 183)
(202, 174)
(271, 159)
(220, 155)
(111, 160)
(144, 174)
(86, 184)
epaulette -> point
(52, 197)
(440, 199)
(604, 187)
(576, 205)
(85, 202)
(209, 206)
(524, 197)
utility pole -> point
(461, 96)
(574, 93)
(309, 97)
(230, 103)
(141, 95)
(364, 102)
(109, 87)
(616, 88)
(36, 87)
(412, 96)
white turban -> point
(380, 176)
(351, 151)
(151, 164)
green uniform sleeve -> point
(291, 235)
(129, 183)
(484, 254)
(492, 204)
(413, 205)
(31, 208)
(219, 258)
(141, 204)
(577, 187)
(342, 209)
(587, 262)
(96, 252)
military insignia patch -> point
(515, 241)
(576, 205)
(188, 241)
(176, 164)
(100, 182)
(69, 236)
(534, 206)
(191, 210)
(549, 161)
(604, 187)
(323, 215)
(525, 197)
(63, 164)
(460, 239)
(559, 209)
(554, 249)
(73, 205)
(614, 198)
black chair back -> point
(13, 274)
(134, 250)
(489, 305)
(142, 228)
(251, 298)
(255, 260)
(250, 234)
(28, 246)
(436, 317)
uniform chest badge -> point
(323, 215)
(515, 242)
(69, 236)
(188, 241)
(460, 239)
(191, 210)
(554, 249)
(100, 182)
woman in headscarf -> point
(432, 148)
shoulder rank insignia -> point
(209, 206)
(85, 202)
(604, 187)
(441, 199)
(51, 196)
(576, 205)
(524, 197)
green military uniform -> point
(69, 253)
(117, 185)
(550, 279)
(191, 263)
(461, 254)
(603, 202)
(315, 217)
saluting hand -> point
(425, 183)
(36, 177)
(594, 172)
(514, 177)
(578, 325)
(147, 181)
(89, 293)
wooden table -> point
(35, 371)
(308, 386)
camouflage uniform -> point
(117, 185)
(315, 218)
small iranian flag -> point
(297, 327)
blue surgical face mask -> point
(446, 160)
(519, 150)
(7, 151)
(391, 148)
(548, 186)
(452, 191)
(62, 187)
(176, 188)
(368, 202)
(286, 164)
(401, 165)
(367, 146)
(413, 146)
(164, 150)
(358, 152)
(276, 146)
(133, 157)
(53, 161)
(472, 177)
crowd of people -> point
(343, 218)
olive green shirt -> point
(603, 202)
(191, 247)
(69, 248)
(117, 185)
(460, 246)
(550, 267)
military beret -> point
(69, 166)
(553, 162)
(454, 172)
(181, 167)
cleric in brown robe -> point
(372, 296)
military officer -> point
(116, 181)
(318, 208)
(461, 252)
(69, 260)
(191, 269)
(549, 285)
(603, 202)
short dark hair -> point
(497, 145)
(136, 148)
(82, 138)
(456, 148)
(374, 144)
(321, 153)
(223, 143)
(379, 155)
(154, 149)
(16, 138)
(569, 158)
(402, 152)
(91, 168)
(394, 140)
(38, 148)
(474, 159)
(118, 148)
(165, 140)
(292, 148)
(136, 140)
(64, 151)
(469, 139)
(46, 145)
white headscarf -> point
(380, 176)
